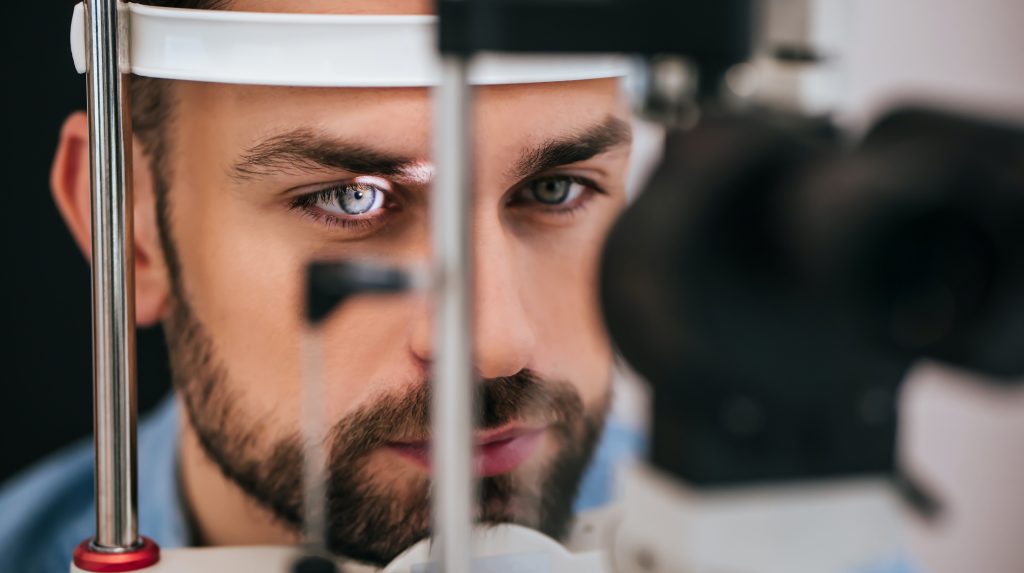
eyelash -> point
(307, 203)
(590, 188)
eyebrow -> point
(588, 143)
(304, 149)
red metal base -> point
(88, 558)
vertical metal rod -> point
(314, 425)
(113, 289)
(453, 414)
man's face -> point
(263, 180)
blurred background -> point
(47, 377)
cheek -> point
(240, 279)
(242, 271)
(243, 284)
(562, 301)
(365, 349)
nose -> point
(503, 334)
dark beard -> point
(366, 521)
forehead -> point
(398, 119)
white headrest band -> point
(316, 50)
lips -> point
(497, 451)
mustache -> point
(405, 416)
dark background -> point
(47, 346)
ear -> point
(70, 184)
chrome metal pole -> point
(314, 430)
(113, 291)
(453, 377)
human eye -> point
(558, 193)
(351, 204)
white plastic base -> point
(222, 559)
(500, 549)
(508, 548)
(960, 438)
(815, 527)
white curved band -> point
(327, 50)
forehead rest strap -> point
(316, 50)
